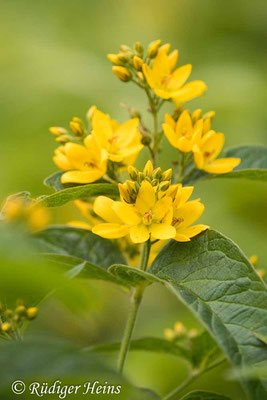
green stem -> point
(135, 304)
(191, 378)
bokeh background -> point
(53, 66)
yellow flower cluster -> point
(254, 261)
(179, 332)
(149, 208)
(192, 133)
(24, 211)
(157, 69)
(12, 320)
(87, 161)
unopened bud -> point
(124, 57)
(146, 140)
(130, 186)
(76, 126)
(114, 59)
(32, 312)
(254, 260)
(137, 186)
(124, 193)
(169, 334)
(148, 168)
(139, 48)
(63, 139)
(57, 130)
(125, 49)
(137, 63)
(90, 113)
(166, 175)
(153, 48)
(209, 114)
(141, 177)
(20, 310)
(122, 73)
(6, 327)
(157, 174)
(155, 182)
(133, 173)
(164, 185)
(140, 76)
(179, 329)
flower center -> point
(147, 218)
(90, 164)
(165, 80)
(177, 221)
(113, 141)
(207, 154)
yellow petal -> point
(170, 135)
(146, 198)
(179, 77)
(198, 157)
(184, 125)
(61, 160)
(103, 206)
(185, 145)
(162, 231)
(161, 208)
(80, 224)
(111, 231)
(127, 131)
(212, 144)
(169, 120)
(187, 214)
(194, 230)
(148, 75)
(181, 238)
(173, 58)
(139, 233)
(126, 212)
(222, 165)
(82, 176)
(183, 194)
(102, 127)
(161, 65)
(190, 91)
(78, 155)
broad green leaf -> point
(204, 351)
(83, 269)
(253, 165)
(78, 192)
(54, 360)
(201, 395)
(214, 278)
(152, 344)
(81, 243)
(132, 276)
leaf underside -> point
(201, 395)
(214, 278)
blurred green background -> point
(53, 67)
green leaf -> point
(151, 344)
(214, 278)
(204, 351)
(54, 181)
(83, 269)
(81, 243)
(201, 395)
(53, 360)
(253, 165)
(133, 276)
(78, 192)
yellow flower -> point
(254, 260)
(33, 215)
(122, 142)
(169, 83)
(147, 217)
(84, 164)
(182, 134)
(185, 213)
(206, 152)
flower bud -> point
(153, 48)
(155, 182)
(146, 140)
(114, 59)
(140, 76)
(164, 185)
(179, 329)
(90, 113)
(130, 186)
(125, 49)
(167, 175)
(141, 177)
(137, 63)
(20, 310)
(76, 126)
(169, 334)
(133, 173)
(209, 114)
(32, 312)
(148, 168)
(63, 139)
(123, 58)
(57, 130)
(124, 193)
(157, 174)
(254, 260)
(139, 48)
(6, 327)
(122, 73)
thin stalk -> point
(135, 304)
(191, 378)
